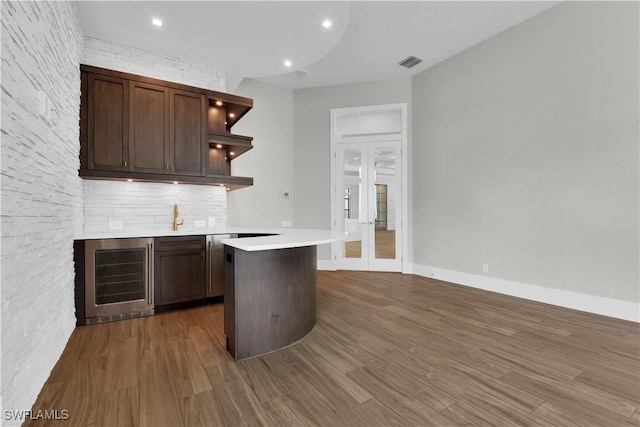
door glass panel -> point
(386, 191)
(352, 202)
(120, 275)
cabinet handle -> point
(125, 163)
(150, 284)
(171, 167)
(209, 266)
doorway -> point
(368, 191)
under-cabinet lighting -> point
(232, 153)
(287, 63)
(327, 24)
(175, 182)
(228, 189)
(219, 103)
(129, 180)
(218, 145)
(157, 22)
(232, 115)
(221, 185)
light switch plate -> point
(211, 221)
(44, 105)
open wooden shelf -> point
(236, 144)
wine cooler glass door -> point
(118, 276)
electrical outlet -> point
(285, 223)
(115, 225)
(286, 194)
(199, 223)
(485, 268)
(211, 221)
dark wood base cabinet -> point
(269, 297)
(179, 269)
(79, 291)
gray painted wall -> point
(311, 127)
(270, 162)
(526, 153)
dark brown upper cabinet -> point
(139, 128)
(149, 128)
(106, 122)
(188, 131)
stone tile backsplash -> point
(146, 206)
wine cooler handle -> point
(209, 265)
(150, 274)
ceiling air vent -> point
(410, 61)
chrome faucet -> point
(176, 223)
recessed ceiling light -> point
(327, 24)
(219, 103)
(157, 22)
(287, 63)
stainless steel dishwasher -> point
(215, 264)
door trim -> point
(398, 131)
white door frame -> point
(395, 131)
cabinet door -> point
(188, 124)
(179, 276)
(149, 128)
(107, 123)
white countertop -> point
(282, 237)
(290, 238)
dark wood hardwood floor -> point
(388, 349)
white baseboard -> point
(327, 265)
(590, 303)
(407, 268)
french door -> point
(369, 200)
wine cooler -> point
(118, 279)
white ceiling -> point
(252, 39)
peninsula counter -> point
(270, 290)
